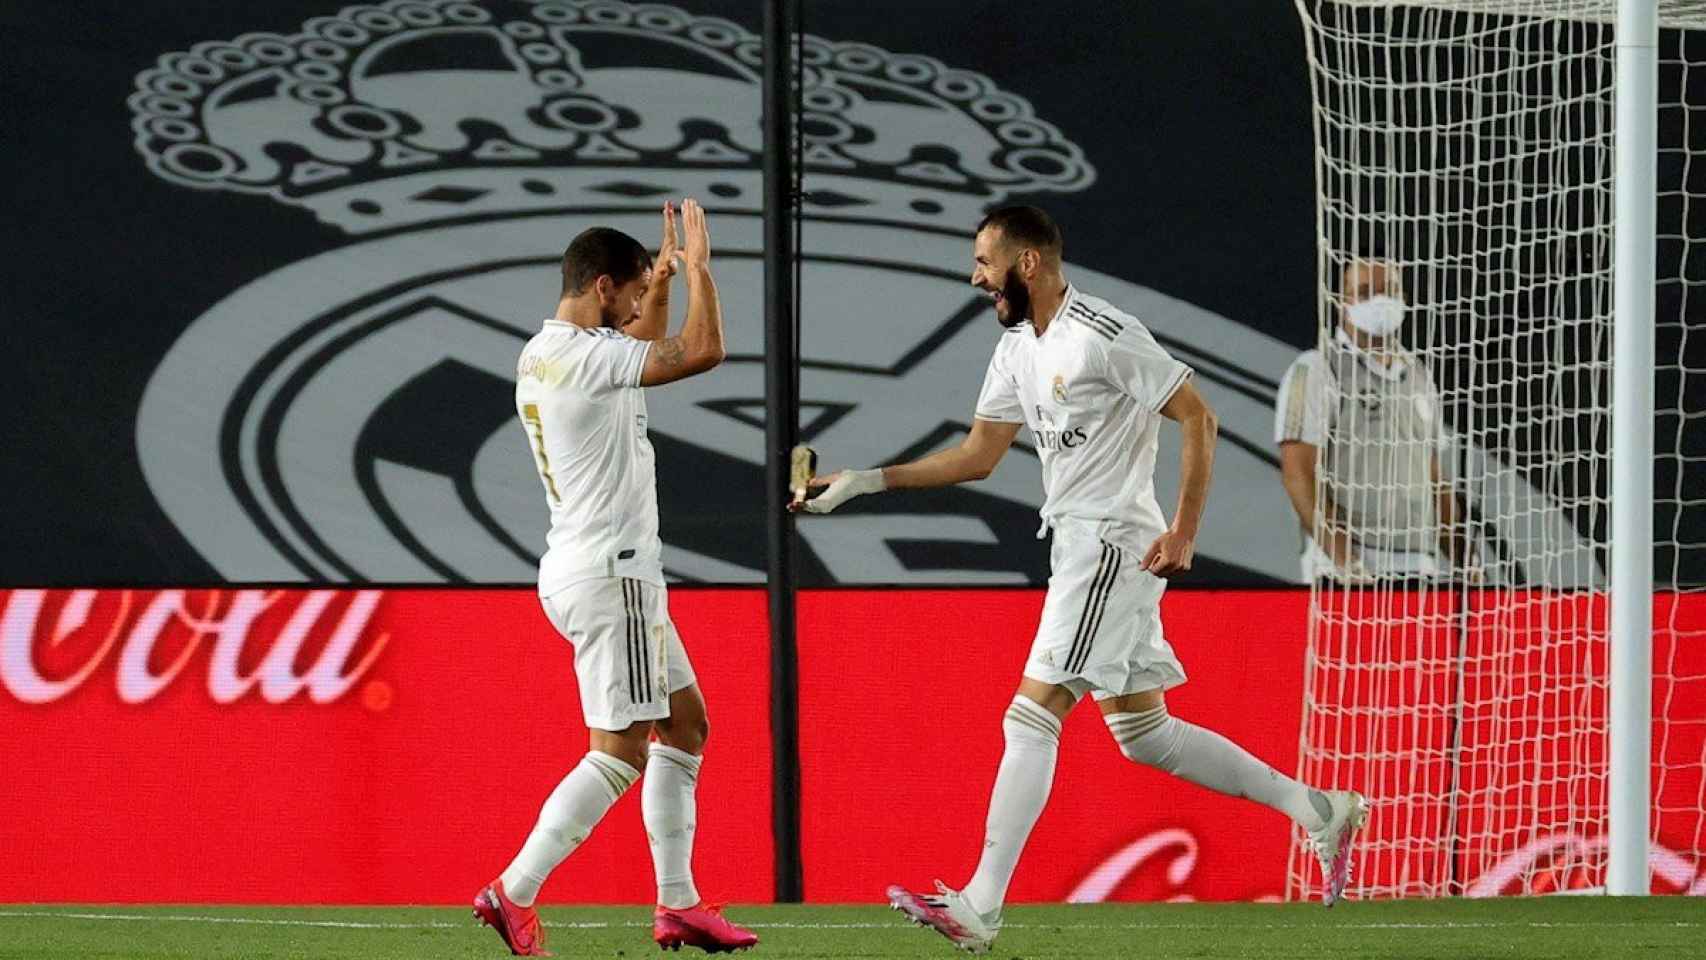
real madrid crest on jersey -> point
(1059, 389)
(357, 424)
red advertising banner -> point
(1476, 722)
(901, 698)
(308, 746)
(337, 747)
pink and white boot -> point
(1332, 842)
(947, 913)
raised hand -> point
(669, 247)
(696, 251)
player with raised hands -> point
(1093, 386)
(580, 399)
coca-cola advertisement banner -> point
(942, 667)
(337, 747)
(296, 746)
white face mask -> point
(1378, 316)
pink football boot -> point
(699, 926)
(518, 926)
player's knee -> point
(693, 739)
(1150, 737)
(632, 754)
(628, 746)
(688, 735)
(1026, 720)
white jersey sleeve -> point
(1433, 411)
(999, 398)
(1300, 408)
(1142, 369)
(612, 361)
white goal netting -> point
(1458, 634)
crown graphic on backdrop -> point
(405, 113)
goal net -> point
(1458, 643)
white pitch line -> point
(785, 925)
(260, 921)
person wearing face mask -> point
(1363, 411)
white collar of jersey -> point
(1394, 371)
(1066, 301)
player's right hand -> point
(669, 248)
(838, 488)
(1171, 553)
(696, 246)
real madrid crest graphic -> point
(349, 417)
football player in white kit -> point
(1093, 387)
(580, 399)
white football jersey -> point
(1090, 388)
(577, 391)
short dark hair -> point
(1026, 226)
(599, 251)
(1369, 251)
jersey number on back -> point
(536, 436)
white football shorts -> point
(628, 654)
(1101, 625)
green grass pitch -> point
(1561, 928)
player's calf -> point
(1155, 738)
(571, 811)
(669, 807)
(1204, 757)
(1022, 785)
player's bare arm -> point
(699, 345)
(975, 458)
(1298, 461)
(653, 321)
(1173, 551)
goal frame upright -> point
(1630, 723)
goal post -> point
(1507, 642)
(1637, 31)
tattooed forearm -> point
(670, 351)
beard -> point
(1018, 299)
(609, 318)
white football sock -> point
(671, 812)
(569, 814)
(1207, 758)
(1021, 789)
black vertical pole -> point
(781, 432)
